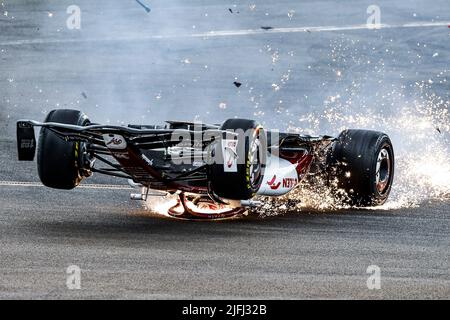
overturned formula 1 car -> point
(215, 169)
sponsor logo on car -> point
(272, 184)
(230, 155)
(27, 144)
(289, 183)
(114, 141)
(147, 160)
(121, 155)
(286, 183)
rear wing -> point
(26, 141)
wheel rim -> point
(383, 171)
(255, 161)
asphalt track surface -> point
(125, 66)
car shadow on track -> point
(141, 224)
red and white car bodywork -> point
(281, 175)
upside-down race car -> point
(216, 170)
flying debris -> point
(143, 6)
(237, 84)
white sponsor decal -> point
(197, 163)
(147, 160)
(114, 141)
(230, 156)
(121, 156)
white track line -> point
(82, 186)
(230, 33)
